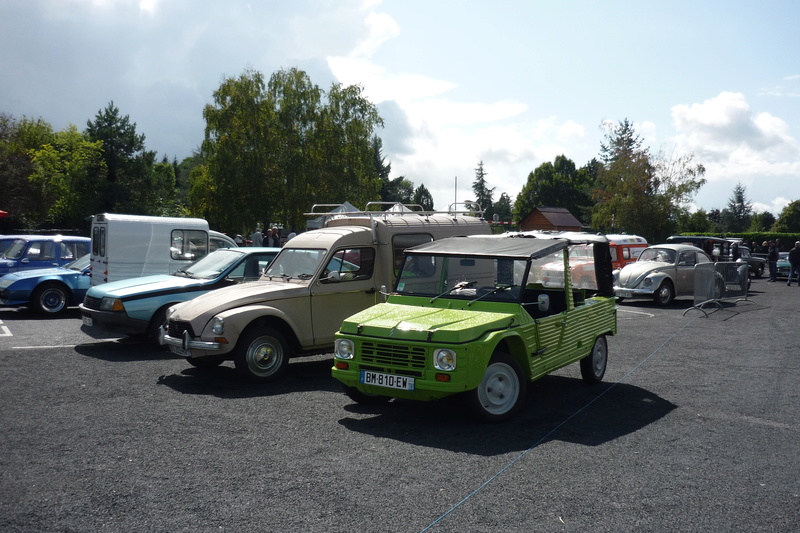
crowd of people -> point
(271, 239)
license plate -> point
(389, 381)
(87, 321)
(180, 351)
(623, 294)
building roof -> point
(559, 217)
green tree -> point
(18, 140)
(423, 197)
(503, 208)
(129, 165)
(483, 194)
(640, 193)
(761, 222)
(697, 222)
(736, 217)
(273, 149)
(65, 178)
(557, 184)
(789, 219)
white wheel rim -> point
(499, 389)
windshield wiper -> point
(459, 285)
(182, 272)
(496, 289)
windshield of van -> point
(295, 263)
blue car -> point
(138, 306)
(26, 252)
(47, 290)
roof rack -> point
(395, 209)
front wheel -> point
(499, 394)
(760, 271)
(50, 299)
(262, 354)
(593, 366)
(665, 294)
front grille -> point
(175, 328)
(92, 303)
(393, 355)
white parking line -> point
(4, 331)
(648, 315)
(42, 347)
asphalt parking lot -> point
(695, 428)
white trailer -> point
(129, 246)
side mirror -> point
(332, 277)
(544, 302)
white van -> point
(129, 246)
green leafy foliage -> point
(640, 193)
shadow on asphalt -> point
(11, 314)
(224, 382)
(557, 409)
(124, 350)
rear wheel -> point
(593, 366)
(262, 354)
(665, 293)
(50, 299)
(499, 394)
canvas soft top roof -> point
(509, 245)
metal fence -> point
(719, 281)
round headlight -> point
(444, 359)
(343, 348)
(648, 282)
(217, 325)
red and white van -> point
(625, 249)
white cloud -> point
(738, 145)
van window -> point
(626, 253)
(406, 240)
(350, 265)
(99, 241)
(188, 244)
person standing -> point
(257, 238)
(772, 259)
(276, 238)
(794, 263)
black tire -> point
(593, 366)
(159, 318)
(363, 397)
(664, 294)
(262, 354)
(501, 392)
(50, 299)
(760, 271)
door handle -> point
(371, 290)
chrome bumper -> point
(185, 342)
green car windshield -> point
(462, 277)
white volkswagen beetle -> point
(662, 273)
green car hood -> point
(414, 323)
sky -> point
(512, 84)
